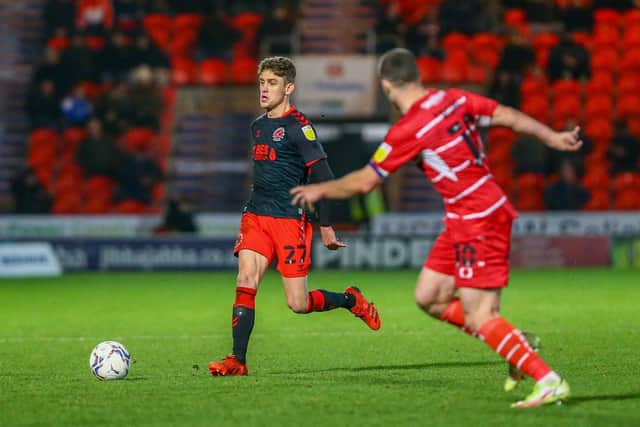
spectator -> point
(156, 6)
(77, 63)
(128, 14)
(467, 17)
(568, 60)
(43, 106)
(118, 58)
(59, 14)
(114, 109)
(76, 108)
(94, 16)
(529, 156)
(178, 218)
(390, 28)
(277, 28)
(50, 69)
(619, 5)
(623, 150)
(29, 196)
(146, 52)
(136, 175)
(190, 6)
(216, 38)
(505, 88)
(567, 194)
(237, 7)
(576, 16)
(98, 153)
(145, 99)
(517, 57)
(577, 158)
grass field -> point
(318, 369)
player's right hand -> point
(566, 141)
(329, 239)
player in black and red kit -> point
(463, 276)
(286, 153)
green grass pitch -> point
(313, 370)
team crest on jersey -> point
(309, 133)
(382, 152)
(278, 134)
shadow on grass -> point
(577, 400)
(395, 367)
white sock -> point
(550, 378)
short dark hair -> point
(280, 66)
(399, 67)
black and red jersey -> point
(283, 150)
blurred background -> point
(124, 139)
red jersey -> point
(440, 131)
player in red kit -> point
(468, 266)
(286, 153)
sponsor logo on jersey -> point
(309, 133)
(382, 152)
(278, 134)
(258, 133)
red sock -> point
(454, 314)
(315, 301)
(511, 345)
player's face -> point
(273, 90)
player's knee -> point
(298, 306)
(426, 302)
(247, 280)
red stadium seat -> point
(129, 207)
(630, 61)
(67, 203)
(633, 124)
(631, 18)
(514, 17)
(537, 107)
(605, 59)
(628, 83)
(607, 17)
(605, 36)
(598, 106)
(565, 108)
(485, 41)
(96, 206)
(455, 70)
(565, 87)
(138, 139)
(187, 22)
(533, 86)
(627, 199)
(596, 178)
(542, 57)
(213, 72)
(599, 129)
(429, 69)
(600, 83)
(598, 200)
(501, 135)
(58, 43)
(72, 138)
(631, 38)
(628, 106)
(583, 39)
(183, 71)
(544, 41)
(455, 42)
(626, 181)
(244, 71)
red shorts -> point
(287, 239)
(476, 259)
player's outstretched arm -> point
(522, 123)
(361, 181)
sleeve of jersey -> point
(481, 108)
(310, 148)
(393, 153)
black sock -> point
(242, 323)
(321, 300)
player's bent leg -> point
(434, 291)
(251, 269)
(482, 315)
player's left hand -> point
(566, 141)
(305, 196)
(329, 239)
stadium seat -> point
(485, 41)
(598, 106)
(566, 107)
(537, 107)
(627, 199)
(530, 201)
(631, 37)
(600, 83)
(138, 139)
(429, 69)
(544, 41)
(187, 22)
(598, 200)
(583, 39)
(243, 71)
(633, 124)
(604, 60)
(599, 130)
(514, 17)
(68, 202)
(500, 135)
(95, 43)
(605, 37)
(72, 138)
(596, 178)
(630, 62)
(455, 42)
(628, 106)
(43, 136)
(213, 72)
(566, 88)
(96, 206)
(533, 86)
(58, 43)
(159, 28)
(628, 83)
(129, 207)
(626, 181)
(183, 71)
(607, 17)
(454, 71)
(631, 17)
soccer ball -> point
(109, 360)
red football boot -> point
(364, 309)
(228, 367)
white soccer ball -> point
(109, 360)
